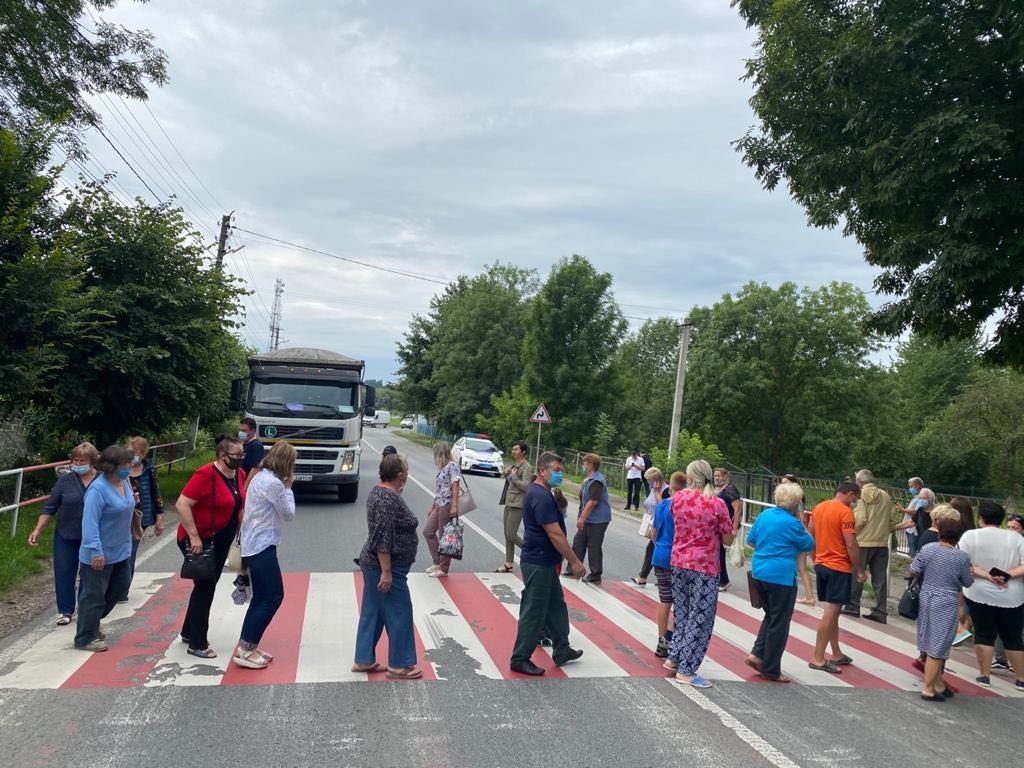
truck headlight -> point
(348, 461)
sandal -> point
(504, 569)
(843, 661)
(202, 653)
(375, 667)
(828, 666)
(268, 656)
(407, 673)
(638, 582)
(63, 620)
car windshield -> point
(481, 446)
(305, 398)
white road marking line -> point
(167, 537)
(594, 663)
(964, 671)
(438, 619)
(892, 674)
(53, 658)
(177, 667)
(755, 742)
(793, 665)
(328, 640)
(636, 624)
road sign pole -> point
(539, 425)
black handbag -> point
(202, 567)
(910, 601)
(199, 567)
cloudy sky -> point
(439, 136)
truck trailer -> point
(315, 400)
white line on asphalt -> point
(483, 534)
(166, 537)
(759, 745)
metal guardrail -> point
(60, 467)
(898, 544)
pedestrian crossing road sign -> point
(541, 415)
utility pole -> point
(275, 315)
(677, 406)
(222, 243)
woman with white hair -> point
(702, 525)
(778, 538)
(444, 508)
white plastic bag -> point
(735, 553)
(450, 544)
(646, 522)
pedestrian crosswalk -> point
(465, 627)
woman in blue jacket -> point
(105, 556)
(777, 537)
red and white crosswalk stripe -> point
(465, 627)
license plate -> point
(304, 478)
(487, 466)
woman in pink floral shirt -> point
(702, 524)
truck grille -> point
(317, 455)
(286, 431)
(313, 469)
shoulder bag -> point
(466, 501)
(201, 567)
(910, 601)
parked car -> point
(380, 419)
(409, 422)
(476, 452)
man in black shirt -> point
(253, 448)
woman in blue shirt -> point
(663, 531)
(777, 537)
(104, 558)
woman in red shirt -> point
(210, 508)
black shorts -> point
(990, 621)
(833, 586)
(664, 577)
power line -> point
(178, 153)
(344, 258)
(106, 138)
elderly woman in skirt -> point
(944, 570)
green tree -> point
(509, 418)
(50, 58)
(645, 371)
(416, 391)
(573, 328)
(987, 420)
(158, 347)
(39, 279)
(605, 435)
(477, 342)
(902, 121)
(773, 375)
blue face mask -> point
(913, 491)
(80, 469)
(243, 436)
(123, 473)
(556, 479)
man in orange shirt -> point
(836, 555)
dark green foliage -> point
(902, 121)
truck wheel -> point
(347, 494)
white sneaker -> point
(438, 573)
(250, 659)
(432, 568)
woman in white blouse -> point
(268, 503)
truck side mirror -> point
(371, 399)
(370, 411)
(236, 395)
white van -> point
(379, 419)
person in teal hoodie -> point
(104, 558)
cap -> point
(388, 450)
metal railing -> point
(898, 543)
(60, 467)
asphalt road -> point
(616, 722)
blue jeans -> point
(267, 594)
(100, 593)
(386, 610)
(65, 571)
(912, 542)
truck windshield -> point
(304, 398)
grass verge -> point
(19, 560)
